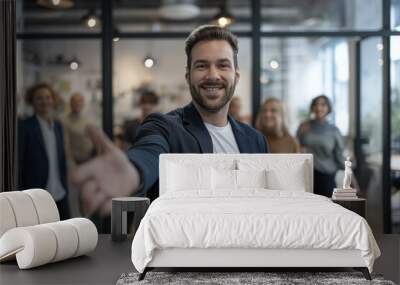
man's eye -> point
(224, 65)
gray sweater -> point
(326, 144)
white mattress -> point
(252, 218)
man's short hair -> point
(30, 93)
(210, 33)
(149, 97)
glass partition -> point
(295, 70)
(322, 15)
(395, 134)
(370, 163)
(58, 90)
(58, 16)
(395, 15)
(180, 16)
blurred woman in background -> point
(270, 121)
(324, 141)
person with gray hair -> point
(75, 123)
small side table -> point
(357, 205)
(120, 207)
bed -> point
(247, 211)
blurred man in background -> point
(75, 124)
(79, 146)
(148, 104)
(41, 148)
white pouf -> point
(46, 208)
(23, 208)
(66, 237)
(87, 235)
(40, 244)
(33, 246)
(7, 218)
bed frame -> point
(246, 259)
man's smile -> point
(212, 91)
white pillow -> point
(223, 179)
(235, 179)
(294, 180)
(251, 178)
(281, 173)
(188, 177)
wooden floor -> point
(389, 262)
(106, 264)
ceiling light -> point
(115, 35)
(274, 64)
(60, 60)
(379, 47)
(91, 20)
(312, 22)
(223, 18)
(223, 22)
(148, 61)
(74, 64)
(58, 4)
(178, 10)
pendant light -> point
(56, 4)
(91, 20)
(224, 18)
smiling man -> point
(203, 126)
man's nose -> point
(212, 73)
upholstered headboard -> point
(297, 166)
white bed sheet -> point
(251, 218)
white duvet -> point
(252, 218)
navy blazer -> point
(33, 162)
(181, 131)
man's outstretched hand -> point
(109, 174)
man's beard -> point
(196, 96)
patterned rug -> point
(230, 278)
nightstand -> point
(120, 207)
(357, 205)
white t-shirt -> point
(222, 138)
(54, 185)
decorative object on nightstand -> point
(357, 205)
(120, 207)
(346, 193)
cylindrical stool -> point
(120, 207)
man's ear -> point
(187, 74)
(237, 75)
